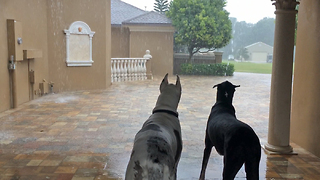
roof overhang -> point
(150, 27)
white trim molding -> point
(135, 28)
(79, 28)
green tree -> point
(161, 6)
(242, 54)
(200, 24)
(245, 34)
(263, 31)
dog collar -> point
(176, 114)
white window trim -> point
(78, 28)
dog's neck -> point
(224, 96)
(174, 113)
(168, 104)
(228, 106)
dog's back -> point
(223, 127)
(233, 139)
(156, 150)
(158, 145)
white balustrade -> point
(118, 71)
(137, 69)
(112, 69)
(144, 69)
(128, 69)
(125, 70)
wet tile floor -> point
(88, 135)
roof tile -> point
(121, 11)
(149, 18)
(124, 13)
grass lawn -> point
(263, 68)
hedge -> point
(221, 69)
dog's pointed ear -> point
(217, 85)
(164, 82)
(178, 84)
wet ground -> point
(88, 135)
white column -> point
(281, 81)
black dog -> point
(158, 145)
(233, 139)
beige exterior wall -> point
(96, 13)
(42, 24)
(259, 56)
(160, 45)
(120, 42)
(305, 115)
(259, 52)
(34, 35)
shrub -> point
(222, 69)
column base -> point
(273, 150)
(149, 76)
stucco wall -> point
(34, 35)
(120, 42)
(43, 24)
(160, 45)
(305, 116)
(96, 13)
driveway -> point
(88, 135)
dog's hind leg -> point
(252, 170)
(232, 164)
(206, 155)
(252, 165)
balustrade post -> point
(121, 70)
(118, 71)
(144, 69)
(125, 69)
(135, 69)
(112, 71)
(129, 70)
(139, 69)
(148, 64)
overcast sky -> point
(250, 11)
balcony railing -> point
(130, 69)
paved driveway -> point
(88, 135)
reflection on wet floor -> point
(88, 135)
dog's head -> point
(225, 91)
(169, 95)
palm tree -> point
(161, 6)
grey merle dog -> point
(158, 145)
(233, 139)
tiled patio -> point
(88, 135)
